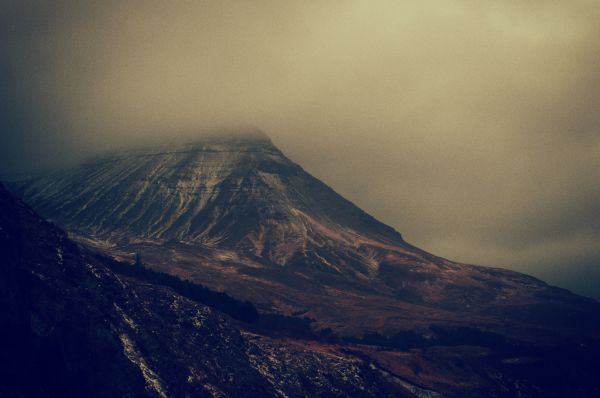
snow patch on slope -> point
(153, 382)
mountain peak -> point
(235, 191)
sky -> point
(471, 126)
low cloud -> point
(470, 126)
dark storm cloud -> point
(470, 126)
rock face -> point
(238, 193)
(235, 214)
(72, 328)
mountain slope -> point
(72, 328)
(235, 214)
(198, 193)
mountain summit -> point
(234, 213)
(235, 192)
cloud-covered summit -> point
(470, 126)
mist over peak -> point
(473, 127)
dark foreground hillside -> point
(71, 327)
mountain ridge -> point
(239, 216)
(253, 167)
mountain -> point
(235, 214)
(71, 327)
(238, 193)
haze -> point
(472, 127)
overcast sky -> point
(471, 126)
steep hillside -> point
(72, 328)
(235, 192)
(235, 214)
